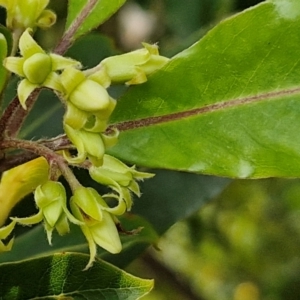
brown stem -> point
(14, 116)
(34, 147)
(54, 159)
(55, 144)
(67, 38)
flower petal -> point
(25, 88)
(14, 65)
(75, 117)
(59, 62)
(90, 96)
(28, 46)
(86, 200)
(106, 235)
(53, 82)
(35, 219)
(70, 79)
(7, 230)
(75, 139)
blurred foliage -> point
(244, 245)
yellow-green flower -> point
(37, 67)
(132, 67)
(90, 145)
(99, 225)
(50, 198)
(22, 14)
(120, 178)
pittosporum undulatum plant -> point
(88, 107)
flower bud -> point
(86, 93)
(89, 202)
(32, 67)
(133, 67)
(90, 96)
(50, 198)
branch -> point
(59, 143)
(14, 115)
(67, 38)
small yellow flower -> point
(22, 14)
(99, 226)
(37, 67)
(51, 200)
(132, 67)
(120, 178)
(90, 145)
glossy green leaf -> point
(98, 11)
(228, 106)
(61, 276)
(173, 196)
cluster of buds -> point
(88, 107)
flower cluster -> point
(88, 107)
(37, 68)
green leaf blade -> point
(61, 275)
(101, 11)
(227, 106)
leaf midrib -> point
(150, 121)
